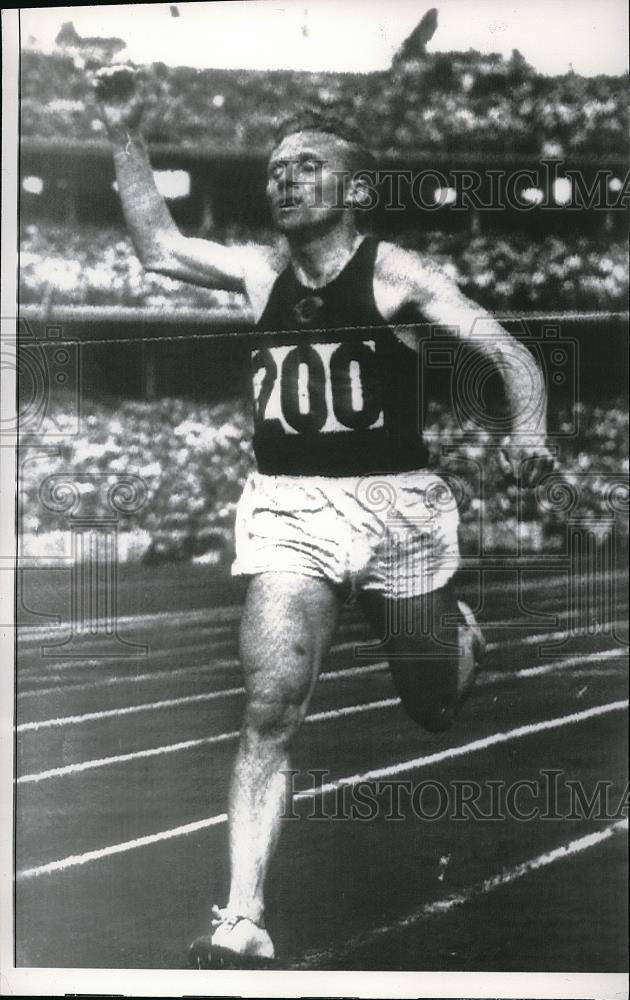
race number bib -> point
(322, 388)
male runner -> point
(342, 500)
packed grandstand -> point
(442, 104)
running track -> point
(123, 764)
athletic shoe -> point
(471, 660)
(439, 718)
(236, 943)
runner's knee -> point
(276, 698)
(275, 716)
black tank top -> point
(338, 394)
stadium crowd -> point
(439, 103)
(96, 266)
(194, 458)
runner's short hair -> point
(312, 120)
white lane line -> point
(110, 713)
(89, 765)
(154, 706)
(232, 662)
(35, 633)
(440, 906)
(104, 852)
(153, 675)
(121, 758)
(541, 637)
(571, 661)
(482, 744)
(492, 677)
(92, 660)
(67, 720)
(459, 751)
(485, 679)
(56, 668)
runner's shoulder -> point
(263, 258)
(261, 265)
(407, 276)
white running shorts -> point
(393, 533)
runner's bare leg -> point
(286, 630)
(426, 657)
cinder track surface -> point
(123, 766)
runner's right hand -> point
(117, 92)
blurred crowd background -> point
(210, 131)
(98, 266)
(194, 459)
(435, 102)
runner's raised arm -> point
(160, 246)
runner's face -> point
(304, 181)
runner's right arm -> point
(160, 246)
